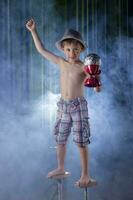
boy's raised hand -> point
(30, 25)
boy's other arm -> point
(38, 44)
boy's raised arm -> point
(31, 26)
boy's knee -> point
(80, 145)
(61, 145)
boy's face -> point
(72, 51)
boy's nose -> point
(72, 53)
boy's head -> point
(71, 37)
(71, 48)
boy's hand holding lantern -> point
(92, 67)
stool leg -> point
(59, 189)
(85, 194)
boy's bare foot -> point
(55, 172)
(86, 182)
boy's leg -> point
(81, 133)
(61, 152)
(85, 179)
(62, 130)
(84, 160)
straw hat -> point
(71, 34)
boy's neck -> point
(73, 61)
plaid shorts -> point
(72, 114)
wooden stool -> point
(59, 179)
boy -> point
(72, 107)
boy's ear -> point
(81, 50)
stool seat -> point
(91, 183)
(61, 176)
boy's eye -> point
(76, 49)
(68, 49)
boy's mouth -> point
(73, 57)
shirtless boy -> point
(72, 107)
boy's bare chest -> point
(72, 71)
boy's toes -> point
(79, 184)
